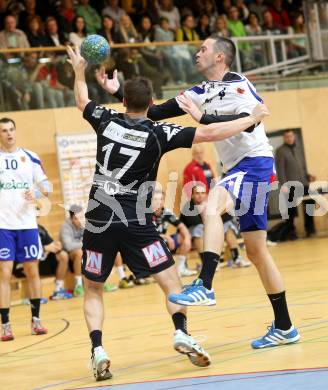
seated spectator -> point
(56, 94)
(35, 33)
(211, 12)
(187, 31)
(258, 48)
(258, 8)
(66, 15)
(171, 54)
(54, 262)
(90, 15)
(269, 27)
(197, 171)
(152, 11)
(132, 64)
(108, 30)
(21, 89)
(11, 37)
(297, 47)
(127, 30)
(114, 11)
(79, 31)
(243, 10)
(235, 25)
(224, 8)
(221, 27)
(29, 11)
(168, 10)
(71, 234)
(53, 35)
(279, 15)
(203, 27)
(191, 217)
(179, 242)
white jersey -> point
(233, 95)
(19, 171)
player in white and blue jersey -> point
(21, 180)
(249, 167)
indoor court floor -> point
(138, 335)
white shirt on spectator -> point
(172, 16)
(115, 13)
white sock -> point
(120, 271)
(78, 280)
(59, 284)
(181, 260)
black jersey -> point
(128, 155)
(165, 219)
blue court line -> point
(314, 379)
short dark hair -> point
(226, 46)
(74, 209)
(8, 120)
(138, 93)
(198, 186)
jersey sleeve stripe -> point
(257, 97)
(197, 90)
(33, 159)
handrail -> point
(257, 38)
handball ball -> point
(95, 49)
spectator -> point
(54, 262)
(187, 31)
(11, 37)
(168, 10)
(235, 25)
(71, 234)
(127, 30)
(171, 54)
(291, 166)
(258, 48)
(243, 10)
(152, 11)
(29, 10)
(297, 47)
(53, 35)
(225, 7)
(211, 12)
(269, 27)
(258, 8)
(90, 15)
(279, 15)
(114, 11)
(35, 33)
(221, 27)
(66, 14)
(56, 94)
(79, 31)
(197, 171)
(203, 27)
(179, 242)
(108, 30)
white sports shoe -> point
(186, 345)
(240, 262)
(186, 272)
(100, 364)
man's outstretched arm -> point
(80, 86)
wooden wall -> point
(294, 108)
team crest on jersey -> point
(23, 159)
(94, 262)
(4, 253)
(171, 131)
(155, 254)
(240, 90)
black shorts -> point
(141, 247)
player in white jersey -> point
(21, 180)
(248, 162)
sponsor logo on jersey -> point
(94, 262)
(13, 185)
(171, 132)
(4, 253)
(126, 136)
(97, 112)
(240, 90)
(155, 254)
(221, 95)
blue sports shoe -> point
(61, 294)
(194, 294)
(276, 337)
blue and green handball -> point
(95, 49)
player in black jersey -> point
(129, 149)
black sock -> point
(180, 322)
(4, 312)
(234, 253)
(281, 315)
(210, 262)
(96, 336)
(35, 307)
